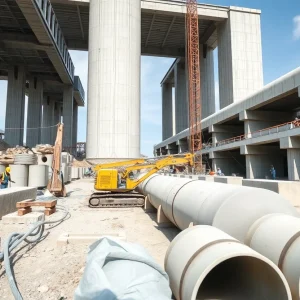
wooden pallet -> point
(24, 207)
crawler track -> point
(109, 199)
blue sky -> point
(281, 54)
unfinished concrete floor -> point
(48, 271)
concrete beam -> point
(163, 52)
(258, 150)
(225, 128)
(256, 115)
(290, 143)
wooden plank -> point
(49, 211)
(24, 211)
(28, 203)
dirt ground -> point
(49, 271)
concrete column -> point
(182, 146)
(15, 105)
(240, 56)
(293, 157)
(181, 103)
(56, 119)
(259, 160)
(113, 128)
(48, 120)
(75, 123)
(172, 149)
(207, 81)
(34, 112)
(68, 115)
(167, 111)
(292, 145)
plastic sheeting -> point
(116, 270)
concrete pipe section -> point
(205, 263)
(230, 208)
(277, 237)
(38, 176)
(19, 174)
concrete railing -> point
(258, 133)
(47, 13)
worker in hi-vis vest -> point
(5, 178)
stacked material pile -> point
(44, 149)
(8, 156)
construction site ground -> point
(50, 271)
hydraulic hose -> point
(35, 233)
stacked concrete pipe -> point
(233, 209)
(205, 263)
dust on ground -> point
(46, 271)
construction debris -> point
(44, 149)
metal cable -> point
(15, 239)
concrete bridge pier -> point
(34, 112)
(68, 102)
(15, 106)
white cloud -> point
(296, 32)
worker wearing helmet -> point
(5, 178)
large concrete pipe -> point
(2, 168)
(19, 174)
(38, 176)
(230, 208)
(205, 263)
(277, 236)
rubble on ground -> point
(80, 163)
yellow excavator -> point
(115, 183)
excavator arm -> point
(119, 164)
(131, 184)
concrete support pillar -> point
(75, 123)
(259, 160)
(183, 146)
(293, 157)
(15, 105)
(240, 56)
(181, 103)
(292, 145)
(114, 79)
(58, 112)
(34, 112)
(68, 115)
(207, 81)
(167, 111)
(172, 149)
(48, 120)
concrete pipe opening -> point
(205, 263)
(242, 278)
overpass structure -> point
(35, 60)
(116, 34)
(249, 136)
